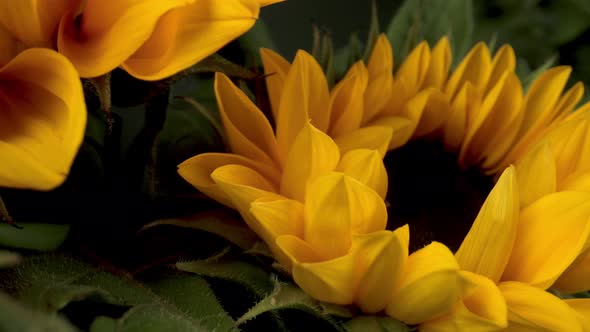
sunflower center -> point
(428, 191)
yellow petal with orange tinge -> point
(366, 166)
(313, 153)
(336, 207)
(346, 102)
(415, 67)
(278, 217)
(33, 22)
(533, 309)
(380, 258)
(377, 94)
(551, 233)
(429, 287)
(486, 248)
(372, 137)
(483, 309)
(42, 119)
(536, 175)
(9, 46)
(582, 310)
(197, 171)
(400, 131)
(275, 70)
(475, 68)
(381, 59)
(576, 182)
(577, 276)
(187, 35)
(434, 112)
(297, 250)
(95, 46)
(456, 125)
(305, 97)
(248, 131)
(504, 62)
(440, 62)
(268, 2)
(567, 150)
(568, 102)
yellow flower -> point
(42, 116)
(150, 39)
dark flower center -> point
(428, 191)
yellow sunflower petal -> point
(576, 182)
(440, 62)
(456, 125)
(568, 151)
(305, 97)
(312, 154)
(381, 258)
(42, 119)
(95, 46)
(487, 246)
(582, 309)
(577, 276)
(504, 62)
(197, 171)
(533, 309)
(429, 287)
(9, 46)
(415, 67)
(475, 68)
(186, 35)
(346, 101)
(482, 310)
(336, 207)
(551, 233)
(536, 175)
(268, 2)
(275, 70)
(381, 59)
(371, 137)
(297, 250)
(434, 112)
(366, 166)
(248, 131)
(377, 95)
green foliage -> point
(34, 236)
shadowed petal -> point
(346, 101)
(577, 276)
(367, 167)
(371, 137)
(440, 62)
(275, 70)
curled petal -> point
(577, 276)
(552, 232)
(429, 288)
(533, 309)
(367, 167)
(488, 244)
(275, 70)
(42, 119)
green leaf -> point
(247, 275)
(15, 317)
(33, 236)
(220, 224)
(255, 39)
(376, 324)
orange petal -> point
(475, 69)
(346, 101)
(372, 137)
(582, 309)
(577, 276)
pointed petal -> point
(336, 207)
(312, 154)
(248, 131)
(377, 95)
(456, 124)
(440, 62)
(367, 167)
(434, 113)
(197, 171)
(475, 68)
(372, 138)
(346, 101)
(381, 59)
(482, 310)
(275, 70)
(504, 62)
(381, 258)
(42, 119)
(487, 246)
(551, 233)
(186, 35)
(95, 46)
(536, 175)
(533, 309)
(415, 67)
(429, 287)
(582, 309)
(577, 276)
(278, 217)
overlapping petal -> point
(275, 70)
(366, 166)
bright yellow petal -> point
(568, 150)
(248, 131)
(381, 59)
(577, 276)
(475, 68)
(551, 233)
(434, 112)
(367, 167)
(381, 258)
(533, 309)
(268, 2)
(376, 98)
(336, 207)
(429, 288)
(582, 309)
(95, 46)
(456, 126)
(440, 62)
(487, 246)
(296, 250)
(346, 101)
(186, 35)
(42, 119)
(197, 171)
(576, 182)
(482, 310)
(275, 70)
(415, 67)
(372, 138)
(305, 97)
(312, 154)
(504, 62)
(536, 175)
